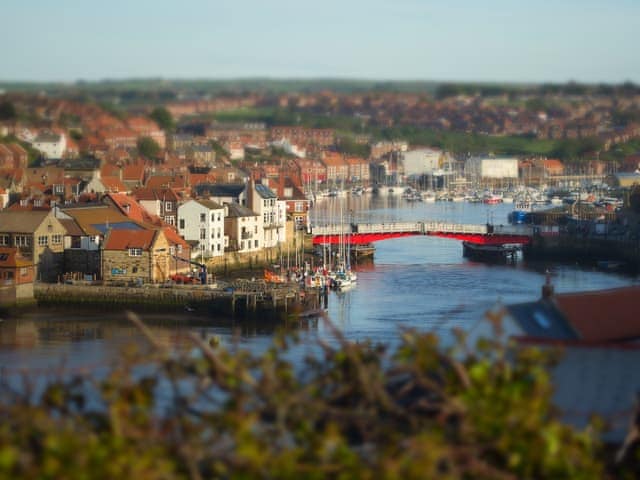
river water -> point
(417, 282)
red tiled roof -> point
(604, 315)
(125, 239)
(113, 184)
(174, 238)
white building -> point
(492, 167)
(423, 161)
(52, 145)
(289, 147)
(242, 229)
(202, 221)
(272, 213)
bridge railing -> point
(446, 227)
(425, 228)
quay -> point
(239, 299)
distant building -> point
(423, 161)
(489, 168)
(52, 145)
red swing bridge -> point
(365, 233)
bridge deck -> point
(371, 232)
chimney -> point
(547, 288)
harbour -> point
(421, 282)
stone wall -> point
(86, 262)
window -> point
(213, 217)
(22, 241)
(218, 247)
(203, 234)
(218, 217)
(168, 220)
(172, 250)
(24, 271)
(43, 241)
(168, 206)
(219, 232)
(4, 240)
(256, 243)
(182, 224)
(135, 252)
(179, 248)
(56, 239)
(242, 245)
(203, 217)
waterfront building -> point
(336, 166)
(203, 221)
(136, 255)
(38, 236)
(492, 168)
(242, 229)
(271, 213)
(423, 161)
(16, 276)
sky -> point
(533, 41)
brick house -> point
(136, 255)
(16, 276)
(337, 168)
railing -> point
(425, 228)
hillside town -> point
(146, 195)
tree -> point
(148, 147)
(163, 118)
(7, 111)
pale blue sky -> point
(465, 40)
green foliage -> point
(7, 111)
(148, 147)
(346, 144)
(353, 410)
(163, 118)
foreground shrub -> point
(353, 411)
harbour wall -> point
(242, 300)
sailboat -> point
(342, 277)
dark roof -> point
(219, 189)
(237, 210)
(210, 204)
(541, 319)
(264, 191)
